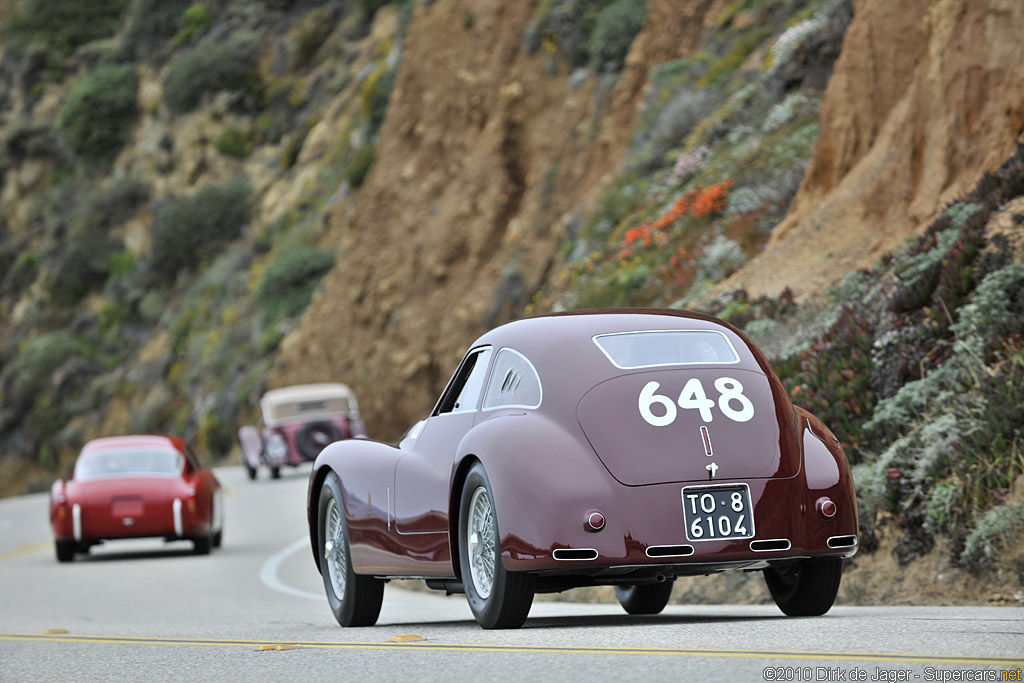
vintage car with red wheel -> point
(298, 421)
(135, 487)
(623, 448)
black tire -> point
(65, 550)
(218, 518)
(509, 597)
(645, 598)
(807, 588)
(360, 596)
(251, 471)
(275, 472)
(201, 544)
(315, 436)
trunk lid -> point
(690, 424)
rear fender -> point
(365, 471)
(252, 445)
(60, 510)
(543, 478)
(826, 469)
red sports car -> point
(134, 487)
(624, 448)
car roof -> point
(307, 392)
(540, 334)
(135, 441)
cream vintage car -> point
(298, 422)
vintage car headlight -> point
(277, 449)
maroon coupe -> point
(134, 487)
(621, 448)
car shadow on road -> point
(604, 621)
(110, 556)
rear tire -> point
(218, 518)
(354, 599)
(645, 598)
(201, 545)
(65, 550)
(275, 472)
(807, 588)
(498, 598)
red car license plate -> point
(126, 507)
(713, 513)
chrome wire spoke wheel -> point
(334, 548)
(481, 541)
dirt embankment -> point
(484, 158)
(925, 97)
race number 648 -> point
(731, 401)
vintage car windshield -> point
(129, 461)
(629, 350)
(513, 382)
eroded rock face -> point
(482, 160)
(925, 97)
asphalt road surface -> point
(254, 611)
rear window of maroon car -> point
(513, 383)
(128, 462)
(629, 350)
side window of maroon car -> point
(464, 392)
(513, 384)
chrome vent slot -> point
(842, 541)
(669, 550)
(574, 554)
(770, 545)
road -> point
(137, 610)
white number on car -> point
(692, 397)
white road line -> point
(268, 572)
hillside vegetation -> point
(204, 200)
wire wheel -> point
(334, 548)
(497, 597)
(355, 599)
(481, 542)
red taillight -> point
(826, 508)
(190, 502)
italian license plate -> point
(714, 513)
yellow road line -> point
(948, 660)
(24, 549)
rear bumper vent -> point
(770, 545)
(574, 554)
(842, 541)
(669, 550)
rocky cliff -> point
(925, 97)
(485, 161)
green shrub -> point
(614, 31)
(97, 117)
(213, 66)
(288, 282)
(87, 252)
(152, 21)
(999, 529)
(24, 272)
(82, 266)
(234, 142)
(375, 94)
(308, 34)
(37, 361)
(217, 435)
(196, 19)
(62, 25)
(190, 230)
(360, 165)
